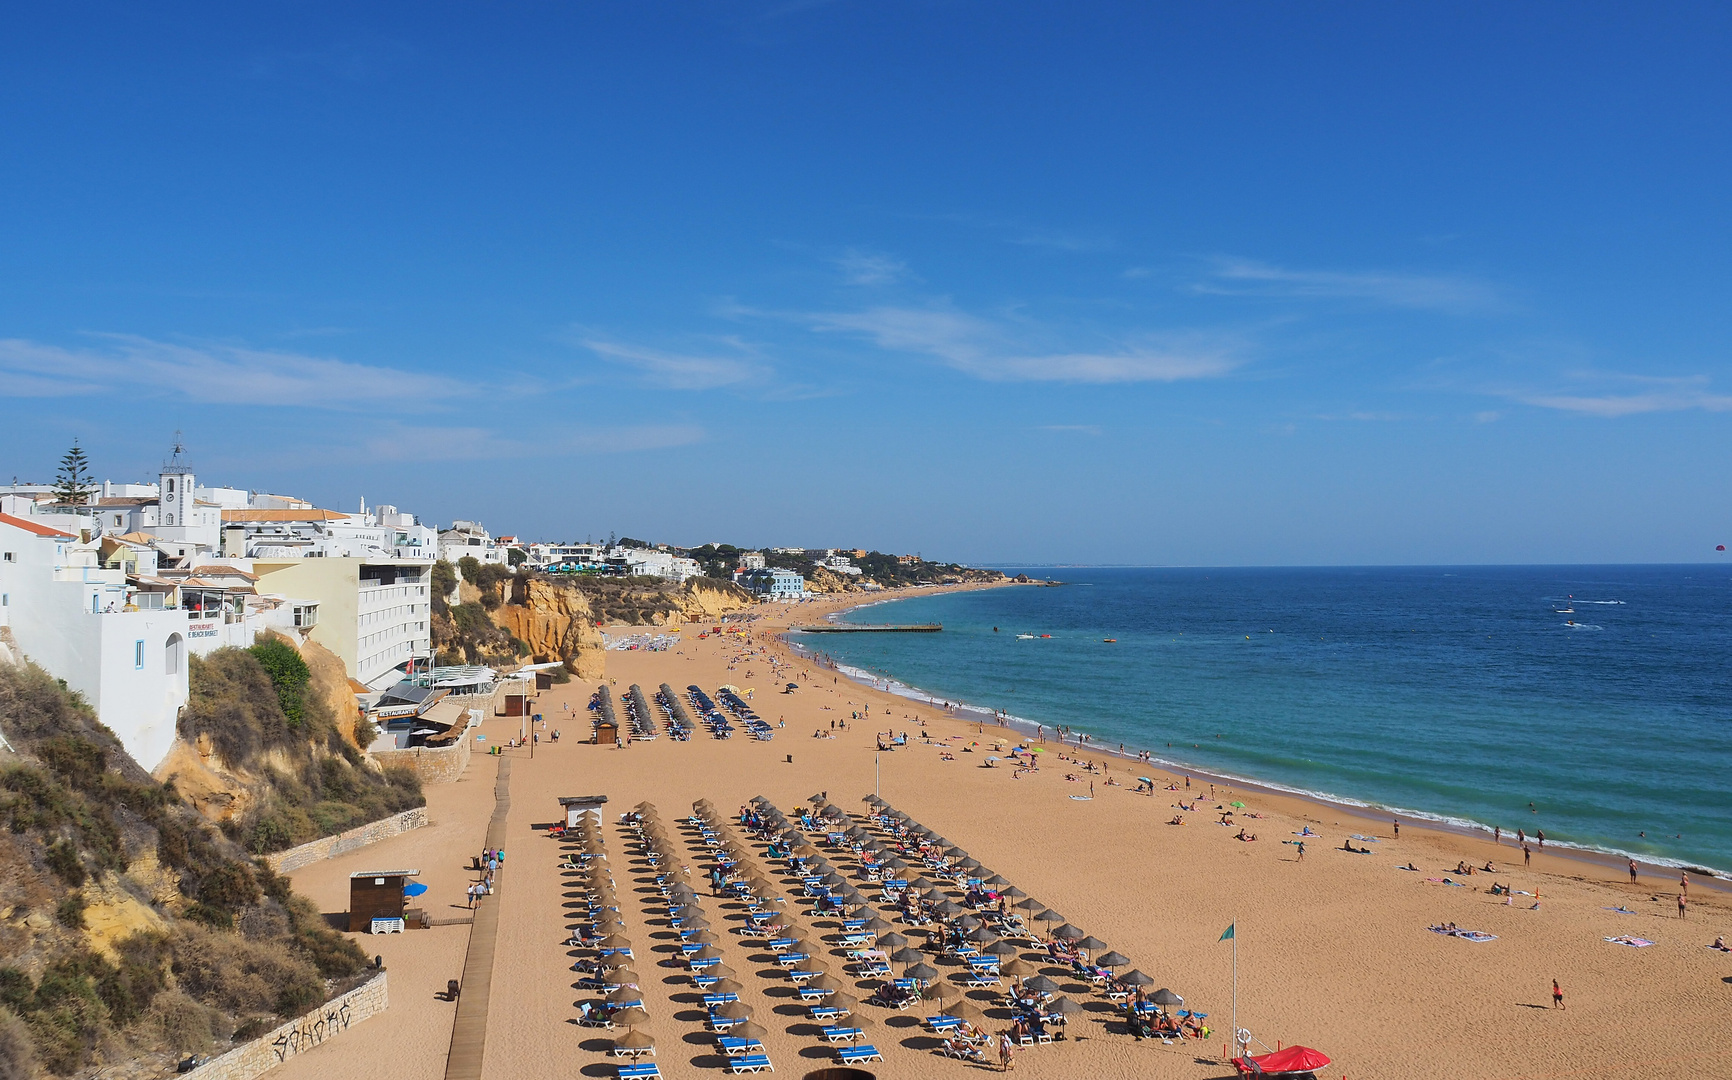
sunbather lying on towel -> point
(1177, 820)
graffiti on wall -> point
(309, 1033)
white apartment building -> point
(467, 539)
(840, 564)
(567, 556)
(70, 614)
(649, 562)
(373, 613)
(751, 560)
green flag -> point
(1227, 935)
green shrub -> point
(62, 858)
(289, 676)
(70, 911)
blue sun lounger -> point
(847, 1055)
(751, 1063)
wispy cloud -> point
(870, 268)
(1451, 293)
(211, 374)
(1610, 395)
(1000, 351)
(681, 371)
(1059, 239)
(400, 442)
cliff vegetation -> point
(132, 931)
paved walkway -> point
(469, 1030)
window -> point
(170, 520)
(11, 556)
(171, 651)
(171, 487)
(138, 655)
(5, 599)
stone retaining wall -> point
(330, 847)
(434, 765)
(297, 1036)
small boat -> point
(1569, 607)
(1046, 635)
(1025, 637)
(1111, 640)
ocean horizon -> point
(1456, 694)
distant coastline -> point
(1598, 855)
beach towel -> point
(1367, 839)
(1632, 942)
(1414, 870)
(1619, 910)
(1466, 935)
(1083, 798)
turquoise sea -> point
(1602, 695)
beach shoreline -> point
(1600, 857)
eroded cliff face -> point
(555, 621)
(703, 599)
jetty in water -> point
(868, 628)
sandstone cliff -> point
(702, 599)
(554, 620)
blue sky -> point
(1210, 283)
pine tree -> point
(73, 483)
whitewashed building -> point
(70, 614)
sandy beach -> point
(1333, 950)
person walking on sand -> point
(1004, 1051)
(1681, 904)
(1527, 855)
(1557, 995)
(1632, 871)
(1301, 846)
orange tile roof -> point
(283, 515)
(32, 527)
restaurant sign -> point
(201, 630)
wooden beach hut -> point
(377, 901)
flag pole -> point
(1235, 981)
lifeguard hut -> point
(378, 900)
(606, 731)
(576, 806)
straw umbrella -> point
(876, 924)
(624, 995)
(1136, 978)
(1112, 960)
(1001, 948)
(924, 972)
(631, 1017)
(735, 1010)
(615, 960)
(726, 986)
(620, 977)
(1064, 1007)
(1040, 984)
(615, 941)
(963, 1009)
(708, 952)
(1013, 892)
(635, 1041)
(749, 1029)
(853, 1020)
(892, 940)
(723, 972)
(1067, 932)
(907, 955)
(1091, 944)
(942, 991)
(827, 982)
(1018, 969)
